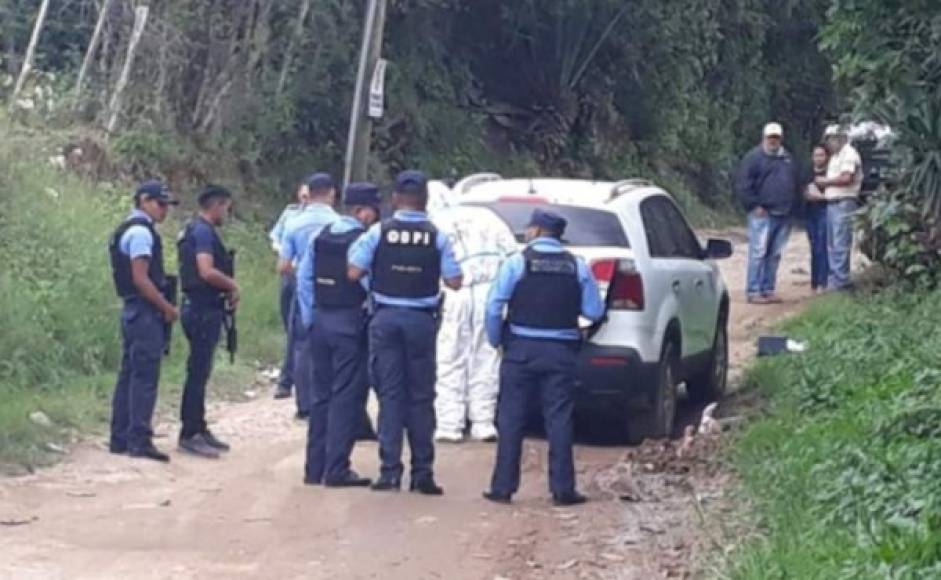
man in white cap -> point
(768, 186)
(841, 187)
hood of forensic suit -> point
(481, 240)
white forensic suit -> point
(468, 367)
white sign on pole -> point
(377, 90)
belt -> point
(428, 309)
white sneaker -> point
(484, 432)
(449, 436)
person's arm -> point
(746, 181)
(362, 253)
(147, 289)
(849, 167)
(206, 265)
(305, 288)
(500, 292)
(592, 304)
(277, 232)
(287, 255)
(450, 269)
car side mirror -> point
(717, 249)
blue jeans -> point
(840, 241)
(817, 235)
(767, 236)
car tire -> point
(657, 422)
(710, 384)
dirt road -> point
(100, 516)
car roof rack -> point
(628, 185)
(464, 185)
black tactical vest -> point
(408, 262)
(332, 288)
(195, 288)
(121, 263)
(548, 295)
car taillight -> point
(622, 283)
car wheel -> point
(657, 422)
(710, 384)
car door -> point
(702, 275)
(676, 260)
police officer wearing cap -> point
(136, 252)
(532, 312)
(298, 233)
(286, 302)
(209, 287)
(333, 308)
(406, 258)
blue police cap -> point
(362, 193)
(411, 181)
(548, 220)
(155, 189)
(211, 191)
(320, 181)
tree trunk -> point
(30, 51)
(140, 21)
(289, 53)
(92, 46)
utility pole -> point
(357, 146)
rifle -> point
(228, 320)
(169, 289)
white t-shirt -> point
(846, 161)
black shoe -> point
(426, 487)
(567, 499)
(117, 448)
(302, 415)
(386, 484)
(312, 481)
(503, 498)
(282, 392)
(351, 479)
(150, 452)
(197, 445)
(211, 440)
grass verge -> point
(845, 472)
(59, 331)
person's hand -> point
(761, 212)
(170, 314)
(233, 298)
(820, 182)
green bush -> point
(59, 330)
(846, 473)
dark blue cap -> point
(211, 191)
(362, 193)
(155, 189)
(549, 221)
(320, 181)
(411, 181)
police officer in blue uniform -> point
(406, 259)
(286, 380)
(532, 312)
(334, 308)
(136, 252)
(299, 230)
(209, 288)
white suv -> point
(667, 306)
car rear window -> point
(586, 226)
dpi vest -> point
(333, 288)
(548, 295)
(195, 288)
(121, 263)
(408, 262)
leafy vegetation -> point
(892, 72)
(58, 313)
(846, 472)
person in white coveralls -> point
(468, 367)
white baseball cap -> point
(773, 130)
(833, 131)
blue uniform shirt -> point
(277, 232)
(137, 242)
(363, 252)
(306, 291)
(510, 274)
(203, 237)
(301, 228)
